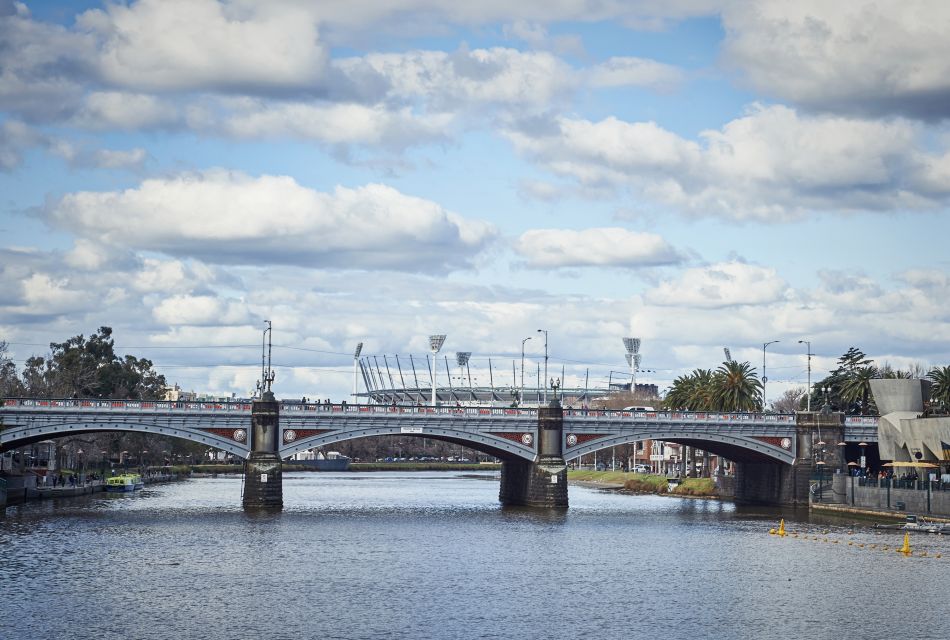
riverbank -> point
(644, 483)
(20, 495)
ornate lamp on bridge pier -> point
(263, 482)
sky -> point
(693, 173)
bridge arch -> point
(740, 448)
(489, 443)
(19, 436)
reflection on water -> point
(433, 555)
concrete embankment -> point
(18, 491)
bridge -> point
(773, 452)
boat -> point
(914, 523)
(319, 461)
(123, 483)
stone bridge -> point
(773, 452)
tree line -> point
(735, 386)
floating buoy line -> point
(905, 549)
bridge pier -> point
(263, 484)
(542, 483)
(788, 485)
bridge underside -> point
(18, 437)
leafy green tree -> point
(10, 385)
(940, 390)
(736, 387)
(87, 368)
(855, 389)
(691, 392)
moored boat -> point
(123, 483)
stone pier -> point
(542, 483)
(263, 485)
(782, 484)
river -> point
(433, 555)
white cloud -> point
(628, 71)
(594, 247)
(858, 57)
(771, 164)
(330, 123)
(201, 310)
(234, 218)
(204, 44)
(726, 284)
(128, 111)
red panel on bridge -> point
(575, 439)
(238, 435)
(775, 441)
(291, 435)
(526, 439)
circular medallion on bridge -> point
(240, 435)
(571, 440)
(786, 443)
(527, 439)
(290, 435)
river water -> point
(433, 555)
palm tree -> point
(736, 387)
(691, 392)
(940, 392)
(857, 387)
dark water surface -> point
(433, 555)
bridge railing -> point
(860, 421)
(680, 416)
(73, 404)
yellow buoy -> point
(906, 548)
(781, 527)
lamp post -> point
(808, 396)
(356, 359)
(435, 344)
(545, 332)
(462, 358)
(764, 378)
(863, 459)
(522, 367)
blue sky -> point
(698, 174)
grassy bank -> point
(647, 483)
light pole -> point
(462, 357)
(545, 332)
(764, 378)
(632, 345)
(808, 392)
(356, 359)
(522, 368)
(435, 344)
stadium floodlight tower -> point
(632, 345)
(462, 358)
(435, 344)
(356, 359)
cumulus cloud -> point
(716, 286)
(201, 310)
(771, 164)
(628, 71)
(332, 124)
(204, 44)
(860, 57)
(595, 247)
(233, 218)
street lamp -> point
(356, 359)
(863, 459)
(435, 344)
(522, 366)
(545, 332)
(764, 378)
(808, 396)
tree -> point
(10, 385)
(86, 368)
(691, 392)
(940, 391)
(855, 389)
(736, 387)
(790, 401)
